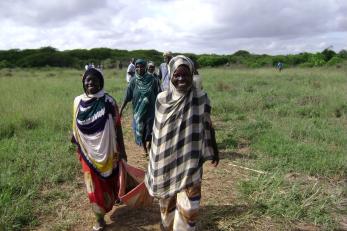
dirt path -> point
(217, 198)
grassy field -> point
(291, 126)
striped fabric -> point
(181, 142)
(94, 131)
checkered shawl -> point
(181, 142)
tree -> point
(212, 60)
(328, 54)
(343, 54)
(241, 53)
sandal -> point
(118, 202)
(162, 227)
(97, 228)
(100, 225)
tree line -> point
(110, 58)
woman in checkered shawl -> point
(183, 139)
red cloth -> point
(132, 190)
(105, 191)
(127, 185)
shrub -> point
(317, 59)
(4, 64)
(212, 61)
(307, 64)
(334, 61)
(343, 54)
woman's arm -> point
(215, 160)
(119, 135)
(213, 142)
(128, 96)
(122, 108)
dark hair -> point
(93, 72)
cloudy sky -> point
(198, 26)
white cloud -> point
(205, 26)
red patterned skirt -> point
(102, 192)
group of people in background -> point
(163, 73)
(171, 121)
(91, 65)
(144, 84)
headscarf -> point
(93, 127)
(174, 63)
(95, 72)
(183, 60)
(150, 64)
(178, 97)
(178, 60)
(167, 53)
(142, 62)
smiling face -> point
(92, 84)
(182, 78)
(140, 69)
(151, 69)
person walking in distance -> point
(142, 91)
(131, 70)
(164, 75)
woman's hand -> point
(215, 160)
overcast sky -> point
(198, 26)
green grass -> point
(284, 115)
(294, 123)
(35, 149)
